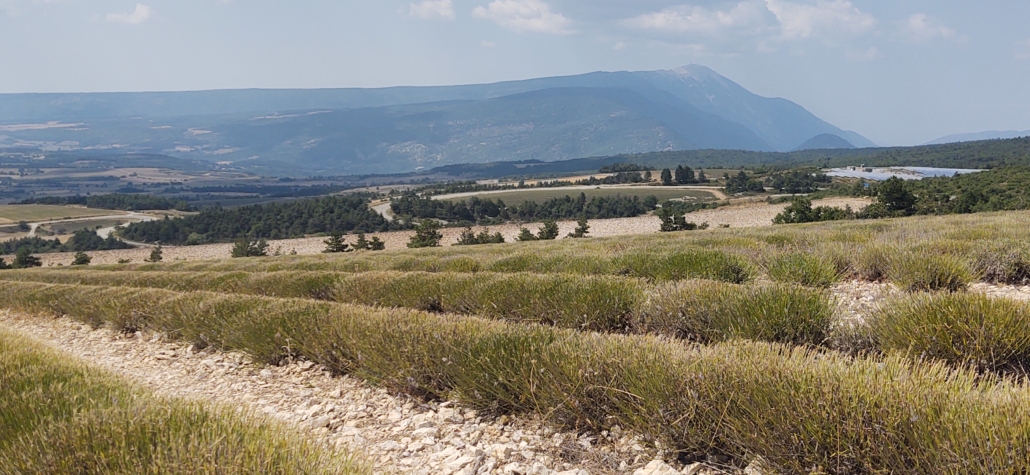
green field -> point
(515, 197)
(32, 213)
(727, 343)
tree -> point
(24, 226)
(24, 259)
(582, 229)
(156, 255)
(335, 243)
(666, 177)
(427, 234)
(525, 235)
(701, 178)
(684, 175)
(247, 248)
(470, 238)
(895, 196)
(673, 221)
(647, 176)
(3, 264)
(81, 259)
(549, 231)
(799, 211)
(376, 245)
(361, 244)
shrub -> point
(81, 259)
(427, 234)
(802, 268)
(737, 399)
(689, 264)
(708, 311)
(247, 248)
(470, 238)
(60, 416)
(966, 329)
(915, 272)
(1001, 264)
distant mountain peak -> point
(825, 142)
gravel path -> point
(743, 216)
(398, 434)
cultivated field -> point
(518, 196)
(739, 216)
(891, 346)
(32, 213)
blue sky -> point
(900, 72)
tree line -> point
(481, 211)
(119, 201)
(265, 221)
(83, 240)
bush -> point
(549, 230)
(706, 311)
(803, 269)
(60, 416)
(81, 259)
(914, 272)
(690, 264)
(24, 260)
(962, 329)
(1001, 264)
(737, 399)
(247, 248)
(470, 238)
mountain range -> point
(974, 137)
(353, 131)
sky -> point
(900, 72)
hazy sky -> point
(899, 72)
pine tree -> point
(549, 231)
(666, 177)
(582, 229)
(701, 178)
(525, 235)
(247, 248)
(156, 255)
(335, 243)
(3, 265)
(376, 245)
(427, 234)
(81, 259)
(647, 176)
(24, 259)
(361, 244)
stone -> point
(319, 422)
(460, 463)
(656, 467)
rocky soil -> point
(397, 434)
(742, 216)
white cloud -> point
(921, 27)
(141, 14)
(798, 20)
(525, 15)
(1023, 49)
(693, 19)
(429, 9)
(768, 20)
